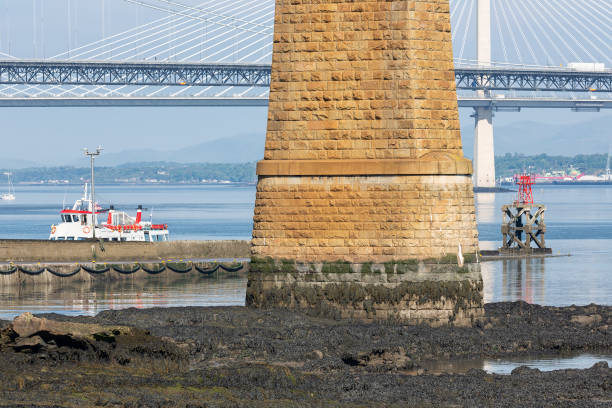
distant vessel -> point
(10, 195)
(81, 223)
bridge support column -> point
(365, 203)
(484, 151)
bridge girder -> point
(493, 79)
(258, 75)
(138, 74)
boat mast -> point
(92, 156)
(608, 164)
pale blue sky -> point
(57, 134)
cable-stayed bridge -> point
(509, 55)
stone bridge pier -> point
(364, 199)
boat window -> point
(75, 218)
(83, 219)
(66, 218)
(146, 236)
(70, 238)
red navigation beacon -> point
(525, 192)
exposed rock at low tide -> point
(242, 357)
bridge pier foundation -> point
(484, 151)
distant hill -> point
(7, 163)
(537, 138)
(139, 172)
(241, 149)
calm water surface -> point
(505, 366)
(191, 211)
(579, 221)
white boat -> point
(81, 223)
(10, 195)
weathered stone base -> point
(364, 218)
(409, 292)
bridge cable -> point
(459, 19)
(561, 38)
(504, 14)
(173, 22)
(226, 39)
(217, 15)
(154, 23)
(571, 35)
(497, 23)
(157, 38)
(71, 90)
(179, 13)
(519, 25)
(235, 43)
(587, 29)
(606, 36)
(530, 22)
(467, 29)
(210, 40)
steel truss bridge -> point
(173, 74)
(131, 73)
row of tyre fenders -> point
(103, 268)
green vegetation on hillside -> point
(510, 164)
(166, 172)
(142, 173)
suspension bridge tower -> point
(484, 154)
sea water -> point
(579, 224)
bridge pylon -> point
(365, 202)
(484, 153)
(484, 150)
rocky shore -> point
(243, 357)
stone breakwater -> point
(81, 251)
(245, 357)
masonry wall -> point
(363, 157)
(363, 165)
(362, 80)
(364, 219)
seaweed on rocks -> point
(247, 357)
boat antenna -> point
(92, 156)
(608, 164)
(64, 199)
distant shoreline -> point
(233, 184)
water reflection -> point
(505, 366)
(92, 298)
(486, 209)
(580, 279)
(523, 279)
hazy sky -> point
(49, 134)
